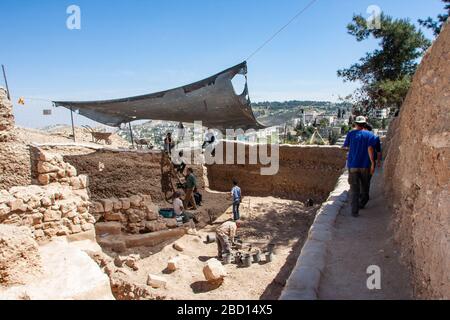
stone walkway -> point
(359, 243)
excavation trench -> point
(273, 209)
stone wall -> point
(137, 214)
(59, 207)
(417, 173)
(14, 154)
(6, 117)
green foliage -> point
(436, 26)
(324, 123)
(386, 72)
(333, 138)
(305, 132)
(345, 129)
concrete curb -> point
(303, 284)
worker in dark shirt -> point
(191, 185)
(361, 164)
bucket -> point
(247, 261)
(210, 238)
(226, 259)
(167, 213)
(257, 257)
(269, 257)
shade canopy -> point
(212, 101)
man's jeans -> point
(223, 244)
(359, 180)
(236, 213)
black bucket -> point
(257, 257)
(210, 238)
(269, 257)
(247, 261)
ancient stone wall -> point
(137, 214)
(304, 173)
(57, 208)
(19, 256)
(14, 154)
(6, 117)
(417, 173)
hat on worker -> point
(361, 120)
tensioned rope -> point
(282, 29)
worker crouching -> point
(225, 236)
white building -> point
(381, 114)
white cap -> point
(361, 120)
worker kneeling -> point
(179, 210)
(225, 235)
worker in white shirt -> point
(225, 235)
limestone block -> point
(135, 201)
(108, 205)
(113, 228)
(304, 278)
(214, 271)
(17, 205)
(156, 282)
(51, 215)
(177, 246)
(126, 204)
(44, 179)
(113, 216)
(97, 207)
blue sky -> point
(131, 47)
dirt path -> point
(358, 244)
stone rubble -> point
(137, 214)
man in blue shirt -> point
(237, 197)
(361, 164)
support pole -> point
(73, 126)
(6, 82)
(131, 135)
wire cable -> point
(282, 29)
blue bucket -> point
(167, 213)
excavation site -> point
(253, 154)
(106, 202)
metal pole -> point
(6, 82)
(131, 134)
(73, 126)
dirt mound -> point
(418, 173)
(19, 256)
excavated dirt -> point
(129, 173)
(305, 173)
(283, 222)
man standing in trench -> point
(361, 164)
(191, 185)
